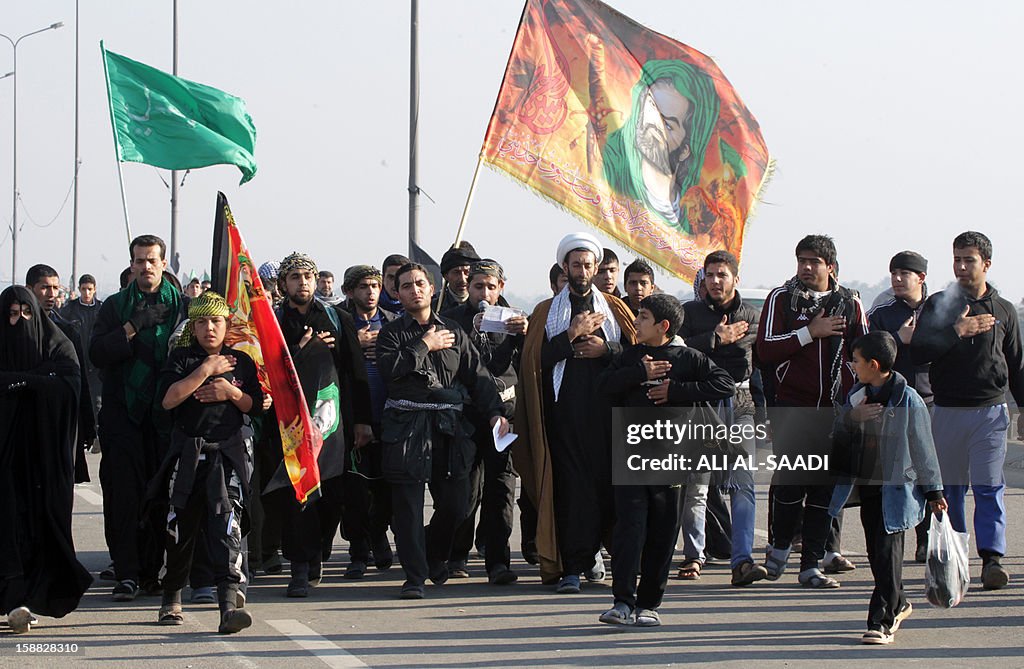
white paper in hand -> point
(496, 318)
(501, 443)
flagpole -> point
(469, 199)
(117, 149)
(414, 117)
(174, 174)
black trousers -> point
(422, 547)
(300, 528)
(584, 502)
(815, 525)
(367, 514)
(493, 491)
(331, 509)
(646, 522)
(220, 534)
(527, 521)
(885, 553)
(131, 456)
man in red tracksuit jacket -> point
(806, 333)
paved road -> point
(471, 624)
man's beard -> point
(652, 146)
(580, 286)
(300, 300)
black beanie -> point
(910, 261)
(456, 256)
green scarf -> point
(139, 375)
(622, 160)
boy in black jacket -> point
(208, 387)
(647, 516)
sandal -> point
(775, 563)
(690, 570)
(819, 581)
(170, 614)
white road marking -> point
(89, 496)
(324, 650)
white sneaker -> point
(597, 573)
(20, 620)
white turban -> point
(579, 240)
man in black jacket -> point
(431, 371)
(302, 317)
(367, 495)
(971, 337)
(45, 283)
(898, 316)
(495, 494)
(129, 345)
(724, 328)
(84, 310)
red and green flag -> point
(254, 330)
(635, 133)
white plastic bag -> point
(947, 570)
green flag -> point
(173, 123)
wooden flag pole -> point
(469, 200)
(462, 225)
(117, 153)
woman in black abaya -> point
(39, 385)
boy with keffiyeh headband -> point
(129, 346)
(209, 388)
(806, 331)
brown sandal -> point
(170, 614)
(690, 570)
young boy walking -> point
(647, 516)
(885, 428)
(209, 388)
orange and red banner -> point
(635, 133)
(254, 330)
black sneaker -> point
(410, 591)
(530, 554)
(316, 573)
(921, 553)
(439, 573)
(297, 587)
(458, 569)
(108, 573)
(993, 575)
(272, 563)
(150, 587)
(126, 590)
(383, 557)
(502, 575)
(234, 620)
(356, 570)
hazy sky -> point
(895, 125)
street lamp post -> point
(14, 152)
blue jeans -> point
(694, 505)
(742, 503)
(971, 446)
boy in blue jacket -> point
(892, 468)
(659, 371)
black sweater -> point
(976, 371)
(693, 377)
(698, 331)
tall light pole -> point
(14, 152)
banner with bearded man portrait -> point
(637, 134)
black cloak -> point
(40, 383)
